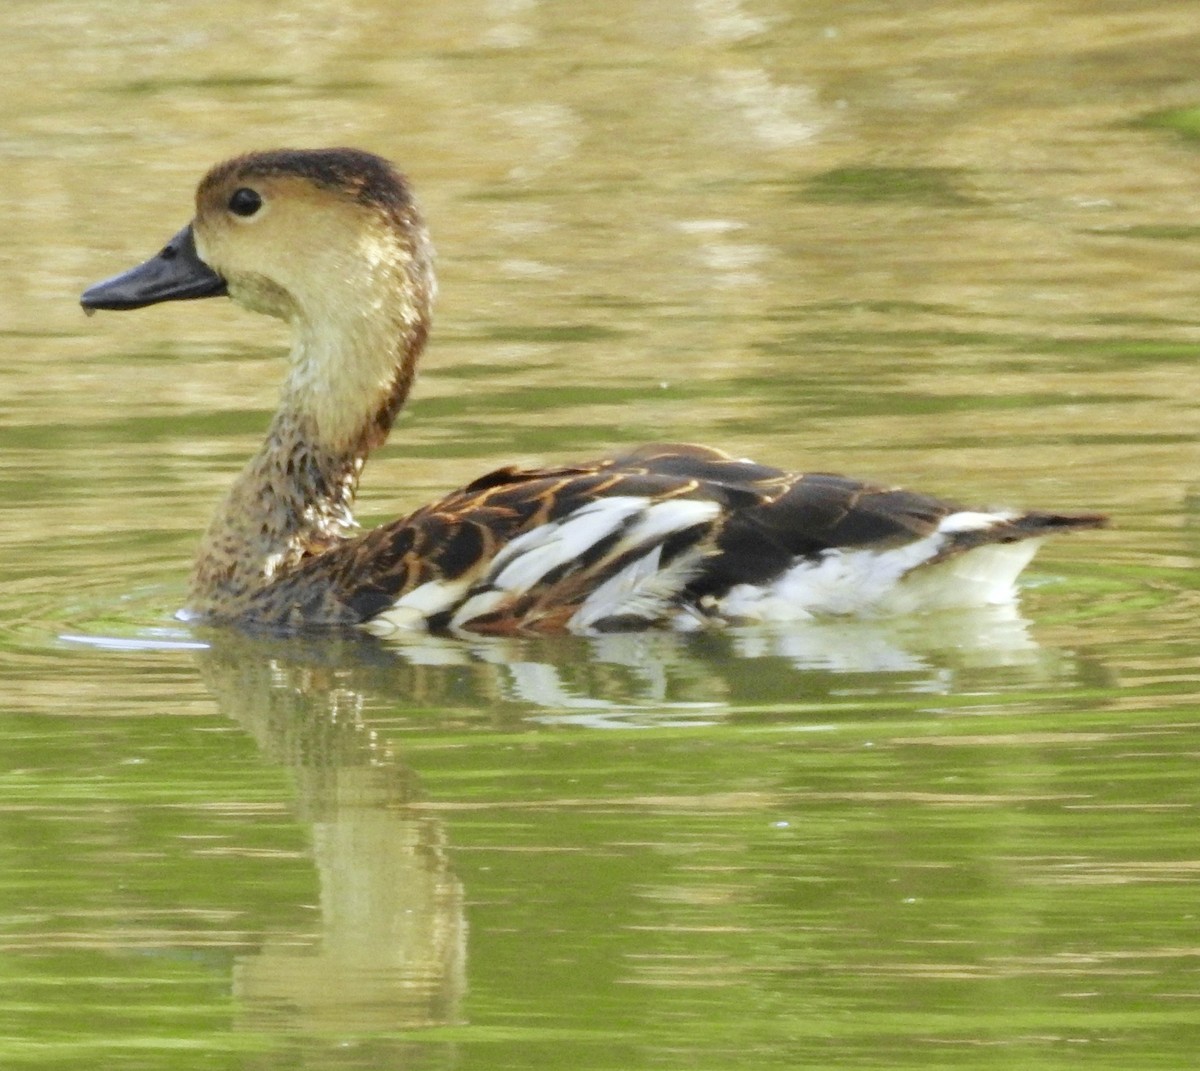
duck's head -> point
(329, 239)
(289, 232)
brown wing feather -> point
(768, 520)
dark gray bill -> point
(175, 274)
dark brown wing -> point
(762, 522)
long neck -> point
(347, 380)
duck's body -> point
(331, 241)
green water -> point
(344, 861)
(953, 246)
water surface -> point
(948, 246)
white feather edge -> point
(527, 559)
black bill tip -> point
(176, 273)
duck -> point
(669, 535)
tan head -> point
(331, 241)
(314, 234)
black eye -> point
(244, 202)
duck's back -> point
(664, 533)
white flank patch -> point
(413, 610)
(838, 582)
(617, 590)
(879, 582)
(478, 605)
(665, 519)
(528, 558)
(643, 588)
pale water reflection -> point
(953, 246)
(392, 948)
(655, 678)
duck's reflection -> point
(670, 678)
(392, 953)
